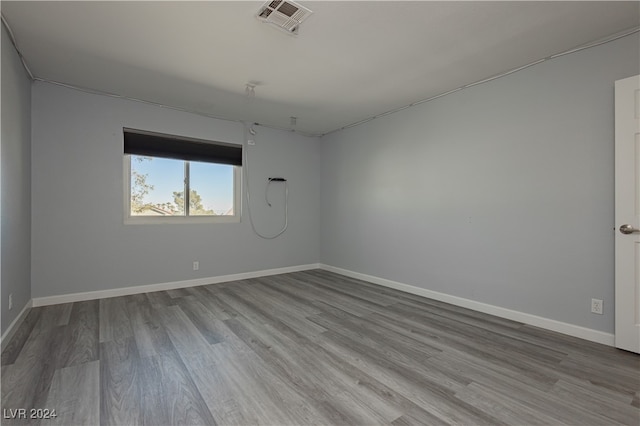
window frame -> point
(130, 219)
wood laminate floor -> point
(306, 348)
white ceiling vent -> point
(284, 14)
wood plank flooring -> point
(305, 348)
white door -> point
(627, 145)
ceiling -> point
(350, 60)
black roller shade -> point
(140, 142)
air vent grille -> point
(284, 14)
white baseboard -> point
(546, 323)
(102, 294)
(13, 327)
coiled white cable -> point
(245, 169)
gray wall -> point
(16, 183)
(80, 242)
(502, 193)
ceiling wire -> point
(160, 105)
(15, 46)
(357, 123)
(486, 80)
(129, 98)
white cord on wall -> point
(245, 169)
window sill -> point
(178, 220)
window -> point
(173, 179)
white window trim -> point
(175, 220)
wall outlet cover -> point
(596, 306)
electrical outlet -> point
(196, 265)
(596, 306)
(10, 301)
